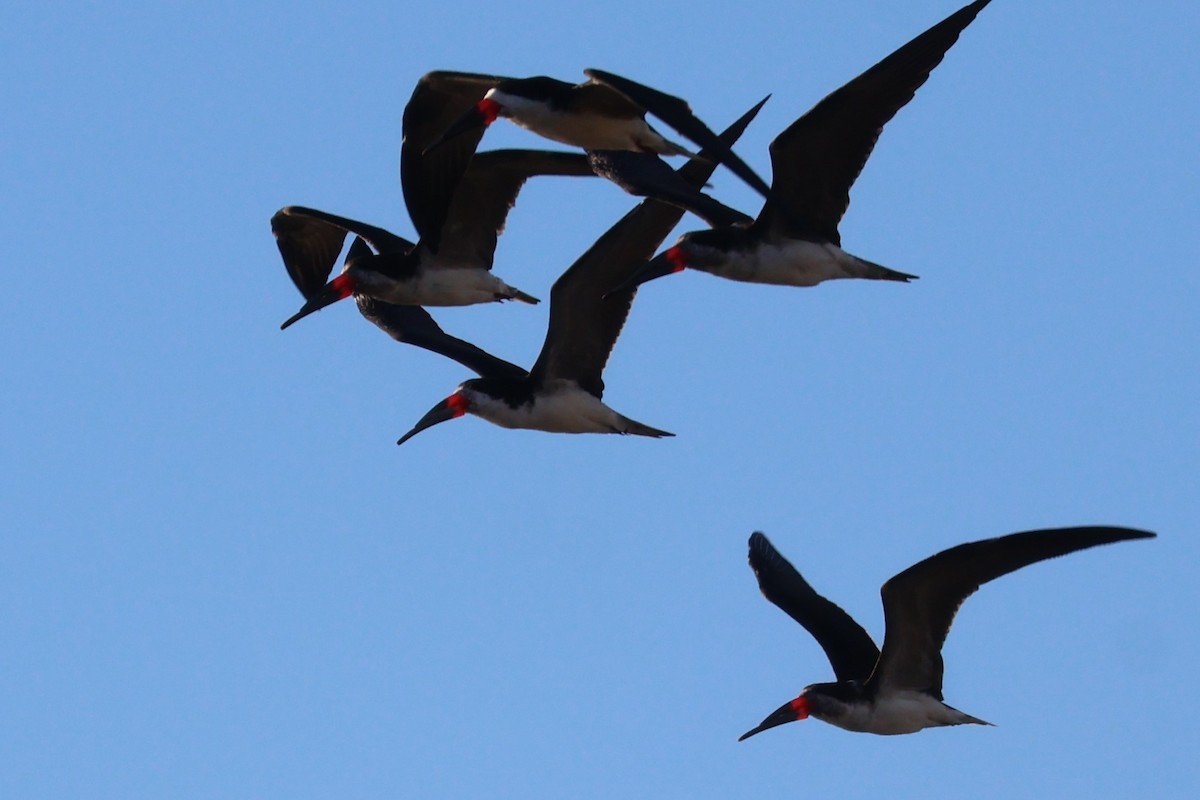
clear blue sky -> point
(221, 578)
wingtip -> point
(760, 543)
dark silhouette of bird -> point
(898, 689)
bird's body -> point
(606, 117)
(588, 116)
(795, 241)
(849, 707)
(897, 689)
(563, 391)
(417, 285)
(783, 261)
(555, 406)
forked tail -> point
(635, 428)
(878, 272)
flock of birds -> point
(458, 200)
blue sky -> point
(221, 578)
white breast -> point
(443, 287)
(586, 130)
(562, 409)
(901, 712)
(792, 262)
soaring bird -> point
(794, 241)
(899, 689)
(563, 391)
(606, 117)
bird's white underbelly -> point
(791, 263)
(564, 410)
(581, 129)
(902, 712)
(445, 287)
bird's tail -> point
(511, 293)
(676, 149)
(635, 428)
(959, 718)
(665, 147)
(878, 272)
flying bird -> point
(563, 391)
(458, 201)
(794, 241)
(407, 324)
(899, 689)
(606, 117)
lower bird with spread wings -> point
(898, 689)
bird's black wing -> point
(647, 175)
(429, 180)
(676, 112)
(584, 325)
(413, 325)
(818, 157)
(919, 604)
(486, 193)
(850, 650)
(310, 240)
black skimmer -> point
(407, 324)
(458, 201)
(563, 391)
(899, 689)
(795, 240)
(606, 117)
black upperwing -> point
(413, 325)
(486, 193)
(584, 325)
(818, 157)
(676, 112)
(850, 650)
(310, 241)
(647, 175)
(919, 604)
(429, 180)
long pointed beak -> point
(477, 116)
(330, 293)
(788, 712)
(656, 267)
(448, 409)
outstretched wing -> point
(429, 180)
(584, 325)
(919, 604)
(819, 156)
(850, 650)
(486, 193)
(647, 175)
(676, 112)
